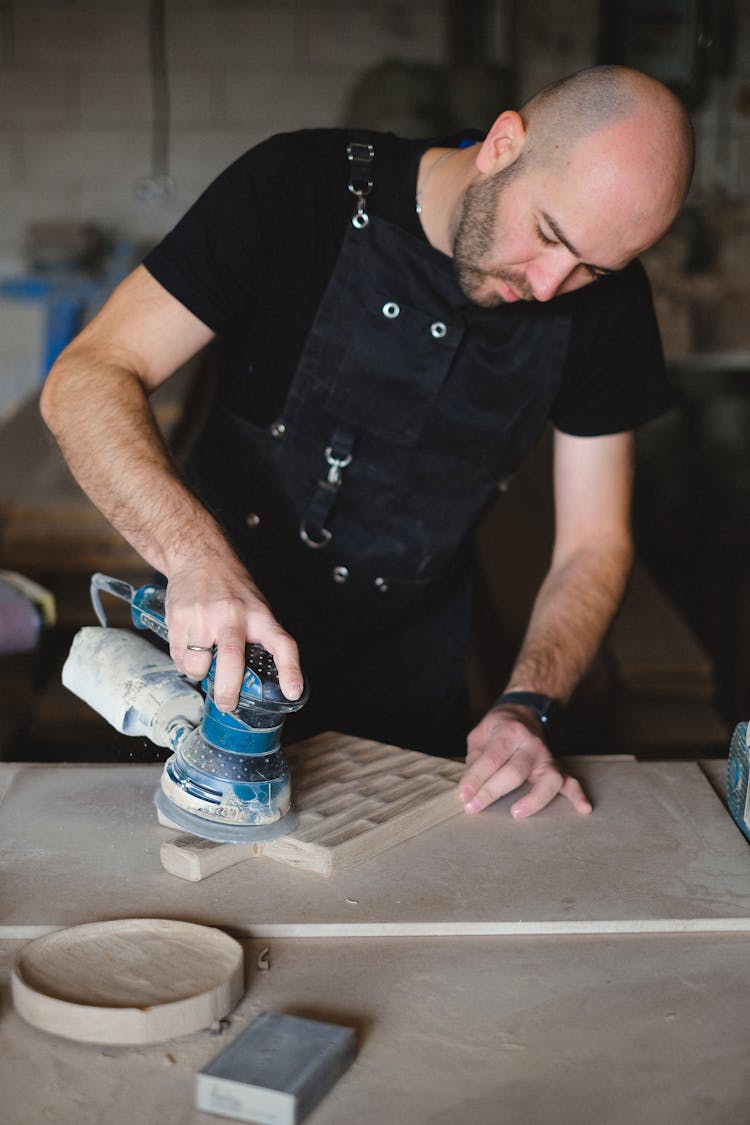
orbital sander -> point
(227, 778)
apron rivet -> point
(252, 520)
(278, 429)
(340, 574)
(391, 310)
(438, 329)
(381, 585)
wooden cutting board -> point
(353, 799)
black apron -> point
(354, 511)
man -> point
(389, 353)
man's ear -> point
(503, 143)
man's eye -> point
(543, 237)
(595, 274)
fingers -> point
(491, 777)
(502, 754)
(548, 787)
(575, 794)
(286, 656)
(482, 784)
(194, 664)
(200, 628)
(230, 668)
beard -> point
(475, 237)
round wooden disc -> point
(129, 981)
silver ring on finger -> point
(199, 648)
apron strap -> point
(313, 531)
(360, 156)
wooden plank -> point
(353, 800)
(81, 843)
(668, 1011)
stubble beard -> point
(474, 239)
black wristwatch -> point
(544, 707)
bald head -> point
(586, 176)
(650, 124)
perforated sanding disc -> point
(129, 981)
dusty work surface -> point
(474, 1030)
(81, 844)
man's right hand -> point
(217, 606)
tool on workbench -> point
(738, 772)
(227, 778)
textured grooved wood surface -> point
(353, 799)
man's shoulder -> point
(307, 171)
(304, 145)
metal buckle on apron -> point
(312, 530)
(360, 156)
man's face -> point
(475, 240)
(526, 233)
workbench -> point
(493, 970)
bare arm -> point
(95, 402)
(580, 594)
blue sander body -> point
(227, 778)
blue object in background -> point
(738, 774)
(67, 294)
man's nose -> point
(548, 275)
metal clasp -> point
(316, 544)
(335, 467)
(360, 218)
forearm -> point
(100, 415)
(572, 612)
(574, 607)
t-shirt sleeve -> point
(213, 260)
(615, 375)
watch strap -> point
(543, 706)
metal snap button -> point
(278, 429)
(252, 520)
(438, 329)
(382, 585)
(391, 310)
(340, 574)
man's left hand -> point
(505, 750)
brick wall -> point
(75, 99)
(76, 110)
(76, 104)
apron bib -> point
(408, 408)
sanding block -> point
(276, 1071)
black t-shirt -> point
(252, 257)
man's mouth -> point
(507, 292)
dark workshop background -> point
(113, 117)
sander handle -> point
(260, 684)
(146, 603)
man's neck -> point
(443, 176)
